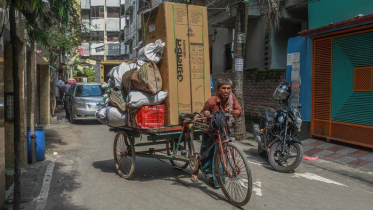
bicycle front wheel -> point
(236, 179)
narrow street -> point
(82, 176)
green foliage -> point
(88, 71)
(57, 27)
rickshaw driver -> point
(226, 101)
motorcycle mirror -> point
(299, 106)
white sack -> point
(152, 52)
(110, 83)
(115, 117)
(118, 73)
(138, 99)
(101, 115)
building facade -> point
(339, 62)
(266, 44)
(42, 98)
(99, 16)
(133, 29)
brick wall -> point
(258, 86)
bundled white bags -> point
(152, 52)
(137, 99)
(111, 116)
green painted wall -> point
(324, 12)
(342, 78)
(349, 106)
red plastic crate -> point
(150, 116)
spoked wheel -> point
(182, 152)
(285, 162)
(236, 183)
(124, 155)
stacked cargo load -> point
(171, 74)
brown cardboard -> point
(169, 22)
(199, 56)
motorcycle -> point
(277, 136)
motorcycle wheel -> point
(279, 163)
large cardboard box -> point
(185, 66)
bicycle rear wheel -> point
(236, 183)
(124, 155)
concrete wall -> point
(109, 3)
(2, 134)
(9, 127)
(321, 13)
(221, 37)
(279, 42)
(85, 4)
(22, 100)
(44, 94)
(258, 88)
(112, 24)
(255, 43)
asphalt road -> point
(82, 176)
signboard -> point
(113, 49)
(292, 58)
(99, 49)
(238, 64)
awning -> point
(358, 21)
(40, 60)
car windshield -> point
(88, 90)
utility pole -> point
(105, 37)
(239, 57)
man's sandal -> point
(194, 178)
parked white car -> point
(82, 101)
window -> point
(122, 36)
(85, 13)
(122, 11)
(113, 12)
(113, 36)
(88, 90)
(228, 57)
(127, 21)
(97, 12)
(85, 37)
(97, 36)
(363, 79)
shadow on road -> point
(87, 122)
(148, 170)
(106, 166)
(62, 185)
